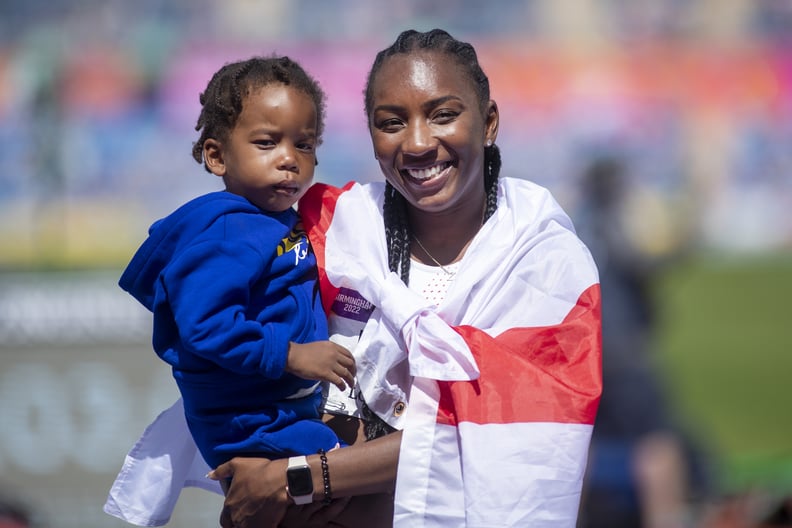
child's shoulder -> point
(214, 203)
(224, 217)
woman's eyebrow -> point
(440, 100)
(428, 104)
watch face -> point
(299, 481)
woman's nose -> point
(419, 139)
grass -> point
(726, 348)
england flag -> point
(501, 381)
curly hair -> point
(221, 102)
(397, 229)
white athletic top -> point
(431, 281)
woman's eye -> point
(445, 116)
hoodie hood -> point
(171, 234)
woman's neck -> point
(444, 237)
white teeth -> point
(425, 174)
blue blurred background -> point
(98, 102)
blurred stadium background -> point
(98, 100)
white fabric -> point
(357, 259)
(162, 462)
(524, 268)
(544, 470)
(498, 286)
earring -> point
(489, 142)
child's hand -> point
(324, 361)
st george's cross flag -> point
(501, 381)
(503, 377)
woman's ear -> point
(491, 120)
(213, 157)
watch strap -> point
(297, 461)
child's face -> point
(270, 155)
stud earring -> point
(489, 142)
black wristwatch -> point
(299, 481)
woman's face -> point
(429, 132)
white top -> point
(431, 281)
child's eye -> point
(264, 143)
(306, 147)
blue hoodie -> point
(230, 286)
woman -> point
(478, 362)
(447, 226)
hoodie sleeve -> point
(208, 288)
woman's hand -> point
(257, 495)
(365, 471)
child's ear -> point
(213, 157)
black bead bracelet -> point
(328, 494)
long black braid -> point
(397, 229)
(221, 102)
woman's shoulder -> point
(371, 189)
(523, 185)
(320, 194)
(528, 197)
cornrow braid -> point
(397, 232)
(492, 165)
(397, 228)
(221, 102)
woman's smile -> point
(427, 173)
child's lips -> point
(287, 189)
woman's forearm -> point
(257, 494)
(360, 469)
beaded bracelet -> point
(328, 494)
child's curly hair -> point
(221, 102)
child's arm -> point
(209, 293)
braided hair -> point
(221, 102)
(397, 229)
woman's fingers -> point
(223, 471)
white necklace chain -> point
(451, 273)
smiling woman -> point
(452, 349)
(477, 366)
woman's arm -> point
(257, 495)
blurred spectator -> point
(639, 472)
(748, 509)
(14, 515)
(781, 515)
